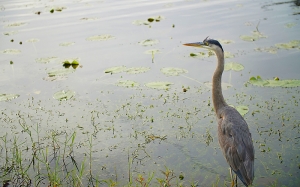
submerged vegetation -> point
(114, 119)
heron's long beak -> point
(196, 44)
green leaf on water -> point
(290, 25)
(233, 66)
(66, 44)
(140, 22)
(135, 70)
(102, 37)
(116, 69)
(258, 81)
(255, 36)
(225, 41)
(242, 109)
(228, 55)
(159, 85)
(203, 54)
(17, 24)
(156, 18)
(272, 50)
(127, 83)
(45, 60)
(173, 71)
(290, 45)
(6, 97)
(11, 51)
(148, 42)
(10, 33)
(63, 95)
(152, 51)
(33, 40)
(60, 72)
(71, 61)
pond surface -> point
(67, 115)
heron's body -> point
(233, 132)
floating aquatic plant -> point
(66, 44)
(6, 97)
(290, 25)
(10, 33)
(228, 55)
(225, 41)
(242, 109)
(290, 45)
(152, 51)
(202, 54)
(272, 50)
(255, 36)
(116, 69)
(140, 22)
(173, 71)
(17, 24)
(155, 18)
(159, 85)
(11, 51)
(59, 72)
(102, 37)
(135, 70)
(45, 60)
(233, 66)
(127, 83)
(64, 95)
(148, 42)
(33, 40)
(258, 81)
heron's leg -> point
(235, 180)
(231, 177)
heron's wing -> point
(236, 144)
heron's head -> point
(207, 43)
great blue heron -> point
(233, 132)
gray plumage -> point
(233, 132)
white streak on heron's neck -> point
(218, 99)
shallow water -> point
(151, 129)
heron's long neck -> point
(218, 99)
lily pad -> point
(255, 36)
(102, 37)
(155, 18)
(71, 61)
(173, 71)
(10, 33)
(11, 51)
(242, 109)
(64, 95)
(127, 83)
(272, 50)
(290, 45)
(116, 69)
(233, 66)
(228, 55)
(17, 24)
(152, 51)
(140, 22)
(66, 44)
(258, 81)
(159, 85)
(225, 86)
(33, 40)
(148, 42)
(89, 19)
(45, 60)
(225, 41)
(202, 54)
(60, 72)
(136, 70)
(290, 25)
(6, 97)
